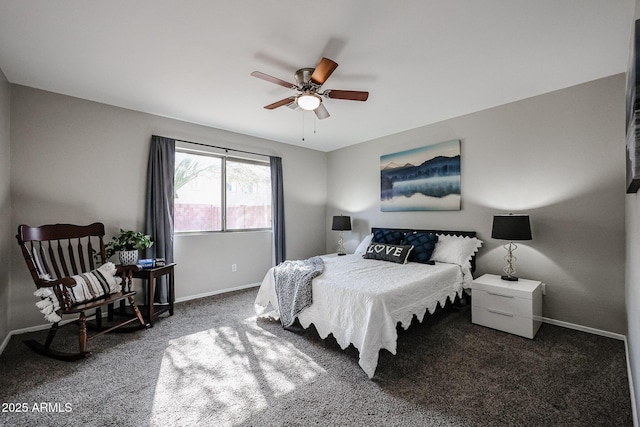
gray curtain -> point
(159, 206)
(277, 206)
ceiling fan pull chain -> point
(302, 125)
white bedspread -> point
(360, 301)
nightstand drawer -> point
(522, 288)
(504, 321)
(503, 302)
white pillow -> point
(455, 249)
(362, 247)
(95, 284)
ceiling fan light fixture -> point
(308, 101)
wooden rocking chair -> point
(56, 252)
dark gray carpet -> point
(213, 364)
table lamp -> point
(341, 223)
(511, 227)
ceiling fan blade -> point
(323, 71)
(352, 95)
(272, 79)
(321, 112)
(280, 103)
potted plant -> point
(128, 244)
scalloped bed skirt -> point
(360, 301)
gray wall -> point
(78, 161)
(558, 157)
(633, 279)
(6, 235)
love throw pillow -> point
(393, 253)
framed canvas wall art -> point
(633, 114)
(421, 179)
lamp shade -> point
(511, 227)
(341, 223)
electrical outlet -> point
(234, 267)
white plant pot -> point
(128, 257)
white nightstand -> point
(514, 307)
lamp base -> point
(509, 278)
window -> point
(248, 195)
(219, 193)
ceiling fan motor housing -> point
(303, 78)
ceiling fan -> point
(308, 83)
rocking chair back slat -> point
(63, 263)
(52, 257)
(84, 266)
(90, 255)
(34, 260)
(72, 259)
(43, 260)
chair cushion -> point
(95, 284)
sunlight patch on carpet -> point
(225, 374)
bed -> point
(361, 300)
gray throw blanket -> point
(293, 286)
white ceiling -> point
(422, 61)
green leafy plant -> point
(128, 240)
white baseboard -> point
(584, 329)
(5, 342)
(218, 292)
(634, 409)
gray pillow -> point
(384, 252)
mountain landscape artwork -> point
(422, 179)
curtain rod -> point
(216, 146)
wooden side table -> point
(149, 276)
